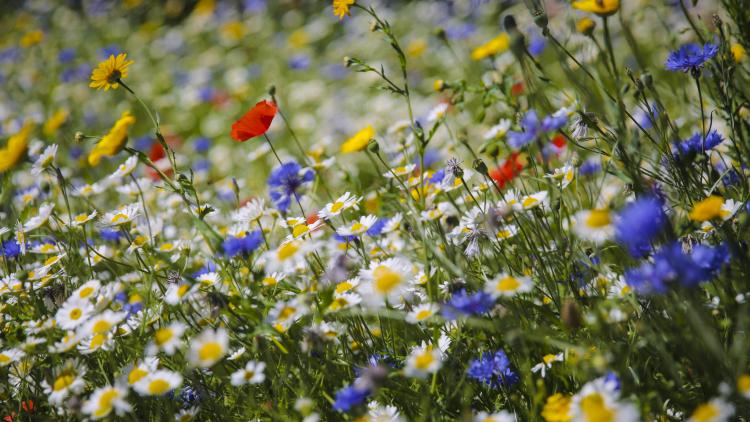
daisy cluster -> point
(375, 211)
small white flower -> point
(252, 373)
(44, 160)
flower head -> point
(359, 141)
(341, 8)
(639, 223)
(255, 122)
(600, 7)
(285, 181)
(493, 369)
(691, 57)
(110, 72)
(113, 141)
(14, 150)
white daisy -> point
(252, 373)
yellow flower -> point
(359, 141)
(55, 121)
(585, 26)
(707, 209)
(494, 46)
(738, 52)
(109, 72)
(14, 149)
(32, 38)
(112, 142)
(600, 7)
(417, 47)
(557, 408)
(341, 8)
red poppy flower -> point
(255, 122)
(508, 170)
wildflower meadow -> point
(375, 210)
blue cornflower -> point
(285, 181)
(695, 144)
(671, 264)
(66, 55)
(493, 369)
(242, 245)
(537, 45)
(299, 62)
(533, 127)
(202, 144)
(639, 223)
(377, 228)
(10, 248)
(691, 57)
(111, 235)
(468, 304)
(348, 397)
(590, 166)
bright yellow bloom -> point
(557, 408)
(15, 148)
(341, 8)
(738, 52)
(55, 121)
(707, 209)
(417, 47)
(494, 46)
(32, 38)
(359, 141)
(112, 142)
(109, 72)
(600, 7)
(585, 26)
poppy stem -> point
(273, 149)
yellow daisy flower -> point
(15, 148)
(600, 7)
(109, 72)
(341, 8)
(112, 142)
(359, 141)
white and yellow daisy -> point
(343, 203)
(178, 292)
(208, 347)
(73, 313)
(44, 160)
(593, 225)
(600, 400)
(501, 416)
(563, 175)
(104, 400)
(45, 210)
(67, 381)
(422, 361)
(507, 285)
(158, 383)
(168, 339)
(252, 373)
(384, 281)
(10, 356)
(357, 227)
(87, 290)
(715, 410)
(125, 169)
(546, 363)
(80, 219)
(121, 215)
(422, 313)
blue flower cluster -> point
(348, 397)
(285, 181)
(673, 265)
(691, 57)
(533, 128)
(245, 245)
(639, 223)
(468, 304)
(493, 369)
(695, 145)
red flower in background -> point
(255, 122)
(508, 170)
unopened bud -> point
(480, 166)
(373, 146)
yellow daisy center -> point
(385, 279)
